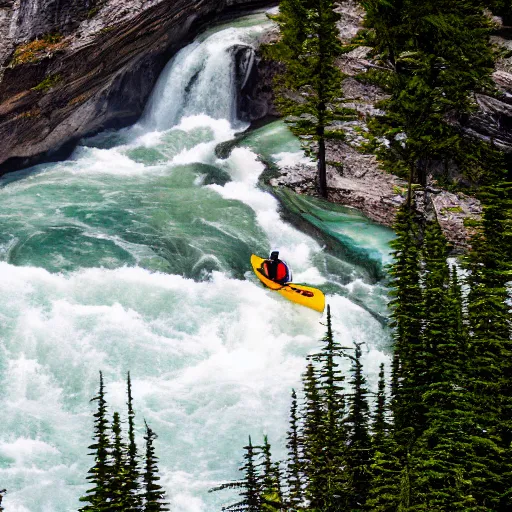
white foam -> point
(288, 159)
(202, 385)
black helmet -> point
(274, 255)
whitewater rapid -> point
(133, 255)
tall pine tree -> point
(309, 90)
(295, 464)
(118, 488)
(133, 503)
(359, 449)
(441, 54)
(98, 497)
(384, 492)
(154, 495)
(249, 487)
(330, 482)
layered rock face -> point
(69, 68)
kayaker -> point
(276, 269)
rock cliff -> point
(71, 68)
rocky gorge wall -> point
(71, 67)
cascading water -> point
(203, 79)
(134, 255)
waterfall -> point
(203, 78)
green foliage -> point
(295, 464)
(48, 83)
(309, 91)
(359, 448)
(384, 492)
(249, 487)
(119, 474)
(153, 493)
(116, 475)
(133, 498)
(34, 51)
(99, 475)
(502, 8)
(439, 54)
(406, 313)
(325, 433)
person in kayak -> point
(276, 269)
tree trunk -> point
(322, 173)
(409, 186)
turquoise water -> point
(134, 255)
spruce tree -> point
(330, 482)
(2, 492)
(443, 461)
(249, 487)
(406, 314)
(294, 473)
(440, 53)
(359, 450)
(317, 476)
(386, 468)
(310, 87)
(436, 308)
(154, 495)
(270, 481)
(98, 497)
(118, 486)
(133, 498)
(489, 348)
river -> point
(133, 255)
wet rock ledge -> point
(73, 69)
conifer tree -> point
(118, 480)
(311, 84)
(384, 491)
(2, 492)
(440, 53)
(442, 461)
(489, 351)
(133, 498)
(98, 497)
(436, 308)
(312, 440)
(270, 484)
(295, 474)
(359, 450)
(327, 483)
(249, 487)
(406, 314)
(154, 495)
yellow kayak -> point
(304, 295)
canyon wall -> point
(71, 67)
